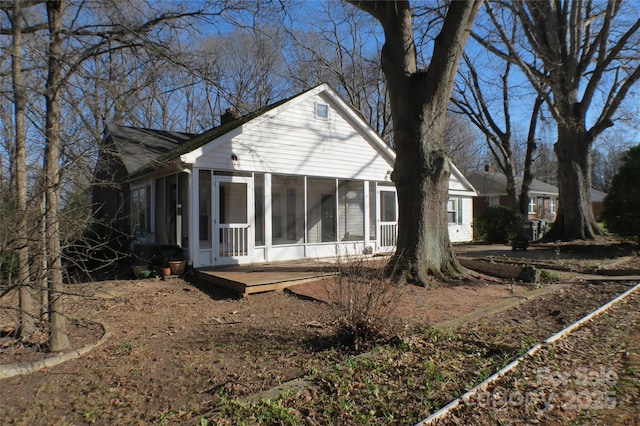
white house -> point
(304, 178)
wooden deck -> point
(248, 279)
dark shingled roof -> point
(143, 150)
(597, 196)
(495, 183)
(139, 148)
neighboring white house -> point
(304, 178)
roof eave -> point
(159, 170)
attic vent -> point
(322, 111)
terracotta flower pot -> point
(165, 272)
(177, 266)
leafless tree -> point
(419, 100)
(463, 144)
(340, 46)
(27, 322)
(249, 67)
(582, 59)
(487, 101)
(607, 155)
(58, 339)
(70, 46)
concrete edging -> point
(16, 369)
(499, 307)
(482, 386)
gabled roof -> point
(143, 150)
(138, 148)
(470, 189)
(597, 196)
(495, 183)
(218, 135)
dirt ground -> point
(174, 348)
(590, 377)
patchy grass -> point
(591, 376)
(402, 382)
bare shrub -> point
(364, 296)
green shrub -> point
(497, 224)
(622, 203)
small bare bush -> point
(364, 298)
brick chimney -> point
(229, 115)
(489, 168)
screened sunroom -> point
(304, 178)
(262, 217)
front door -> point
(387, 218)
(232, 220)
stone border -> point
(16, 369)
(501, 306)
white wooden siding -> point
(463, 232)
(295, 142)
(291, 140)
(455, 184)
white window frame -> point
(319, 106)
(454, 205)
(552, 205)
(136, 228)
(532, 205)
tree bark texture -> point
(27, 322)
(575, 219)
(419, 100)
(527, 175)
(58, 338)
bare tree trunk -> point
(419, 101)
(58, 339)
(27, 323)
(575, 219)
(527, 175)
(424, 248)
(510, 173)
(41, 262)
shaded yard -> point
(178, 352)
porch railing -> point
(234, 241)
(388, 234)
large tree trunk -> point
(419, 101)
(27, 323)
(527, 175)
(58, 339)
(421, 175)
(510, 173)
(575, 218)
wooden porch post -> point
(268, 234)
